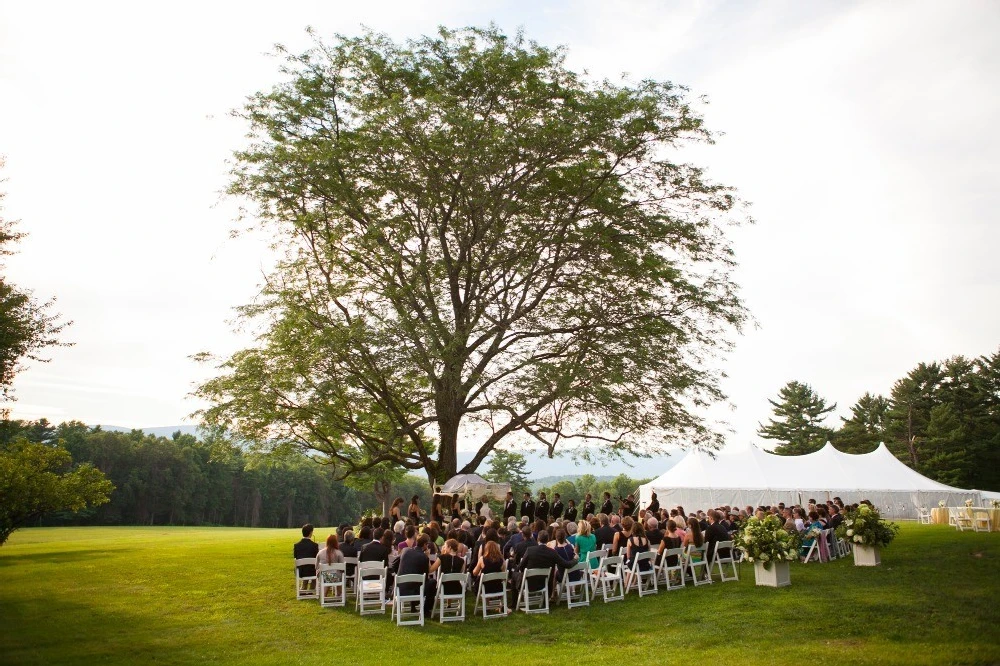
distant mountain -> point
(161, 431)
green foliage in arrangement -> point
(130, 595)
(865, 526)
(37, 479)
(475, 234)
(767, 541)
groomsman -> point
(571, 511)
(527, 507)
(557, 507)
(588, 507)
(509, 507)
(542, 508)
(607, 507)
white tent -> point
(752, 477)
(474, 485)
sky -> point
(864, 135)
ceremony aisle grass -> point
(210, 595)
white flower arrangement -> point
(942, 504)
(968, 503)
(767, 541)
(865, 526)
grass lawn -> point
(183, 595)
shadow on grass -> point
(72, 632)
(57, 557)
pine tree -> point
(509, 467)
(798, 422)
(866, 428)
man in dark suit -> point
(527, 507)
(588, 507)
(542, 509)
(836, 518)
(415, 561)
(509, 508)
(571, 511)
(557, 507)
(605, 535)
(304, 549)
(607, 507)
(654, 506)
(714, 534)
(540, 556)
(527, 540)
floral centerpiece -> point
(942, 503)
(767, 544)
(968, 503)
(865, 529)
(995, 504)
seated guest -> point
(364, 538)
(570, 533)
(398, 530)
(798, 515)
(715, 533)
(605, 535)
(835, 517)
(814, 524)
(565, 550)
(585, 542)
(304, 549)
(637, 543)
(449, 562)
(350, 549)
(540, 556)
(409, 538)
(490, 561)
(618, 543)
(527, 540)
(823, 516)
(377, 551)
(332, 554)
(693, 536)
(432, 548)
(414, 560)
(671, 539)
(653, 532)
(571, 511)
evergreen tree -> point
(509, 467)
(798, 422)
(866, 428)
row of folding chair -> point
(826, 547)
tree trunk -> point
(911, 440)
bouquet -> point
(942, 504)
(865, 527)
(767, 541)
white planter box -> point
(866, 556)
(777, 576)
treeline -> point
(186, 481)
(942, 419)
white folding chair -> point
(923, 516)
(305, 586)
(400, 602)
(963, 520)
(352, 566)
(594, 558)
(981, 521)
(451, 603)
(494, 603)
(953, 516)
(370, 585)
(670, 573)
(642, 576)
(693, 564)
(719, 559)
(331, 582)
(608, 576)
(534, 601)
(576, 592)
(813, 552)
(831, 543)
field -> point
(184, 595)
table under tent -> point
(748, 476)
(469, 488)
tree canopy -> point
(26, 325)
(478, 243)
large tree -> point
(478, 243)
(27, 326)
(509, 467)
(798, 420)
(866, 429)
